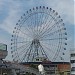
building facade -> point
(52, 68)
(72, 60)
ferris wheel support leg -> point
(14, 72)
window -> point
(72, 61)
(68, 73)
(37, 59)
(72, 55)
(52, 72)
(73, 69)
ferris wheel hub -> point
(35, 41)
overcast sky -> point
(11, 11)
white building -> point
(72, 55)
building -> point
(72, 60)
(3, 51)
(3, 54)
(52, 68)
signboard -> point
(3, 46)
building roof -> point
(26, 63)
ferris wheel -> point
(39, 33)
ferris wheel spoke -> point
(16, 55)
(37, 24)
(19, 48)
(23, 42)
(23, 51)
(26, 28)
(44, 52)
(44, 22)
(29, 30)
(58, 23)
(29, 24)
(44, 46)
(51, 39)
(43, 25)
(56, 54)
(39, 20)
(25, 33)
(32, 24)
(28, 54)
(23, 46)
(52, 33)
(48, 23)
(50, 28)
(23, 21)
(47, 30)
(49, 44)
(48, 48)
